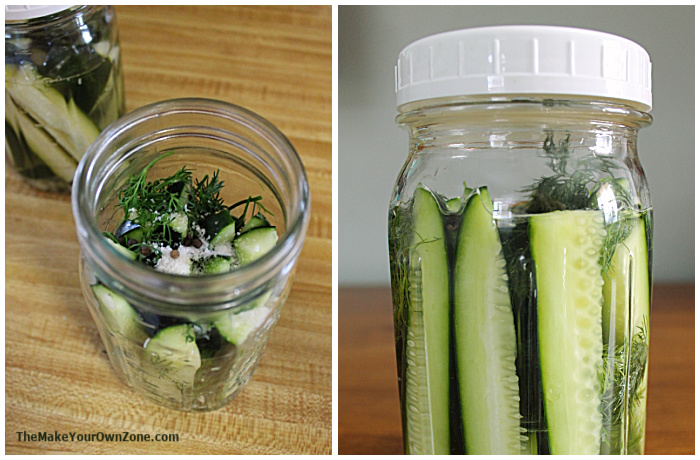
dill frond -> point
(620, 382)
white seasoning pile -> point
(182, 265)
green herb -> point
(111, 237)
(204, 197)
(558, 193)
(620, 382)
(401, 234)
(152, 205)
(619, 225)
(241, 220)
(578, 190)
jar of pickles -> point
(520, 243)
(191, 215)
(63, 85)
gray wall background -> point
(372, 149)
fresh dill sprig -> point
(203, 197)
(558, 193)
(401, 243)
(400, 236)
(579, 191)
(557, 153)
(152, 205)
(620, 382)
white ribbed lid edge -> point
(21, 12)
(524, 60)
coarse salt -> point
(183, 264)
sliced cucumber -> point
(178, 222)
(485, 340)
(217, 264)
(126, 227)
(453, 205)
(11, 113)
(131, 255)
(174, 359)
(213, 224)
(65, 122)
(40, 143)
(626, 301)
(256, 221)
(629, 264)
(84, 131)
(135, 234)
(236, 328)
(107, 108)
(254, 244)
(641, 303)
(566, 247)
(428, 325)
(118, 314)
(225, 235)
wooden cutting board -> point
(275, 61)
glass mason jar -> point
(520, 243)
(63, 84)
(205, 370)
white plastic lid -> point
(21, 12)
(524, 60)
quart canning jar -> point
(63, 84)
(520, 241)
(207, 368)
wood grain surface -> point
(369, 417)
(275, 61)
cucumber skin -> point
(217, 265)
(125, 252)
(236, 328)
(565, 248)
(642, 303)
(631, 254)
(225, 235)
(254, 244)
(118, 315)
(485, 340)
(427, 385)
(174, 359)
(39, 143)
(64, 121)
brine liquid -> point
(622, 376)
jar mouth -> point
(158, 122)
(54, 19)
(524, 108)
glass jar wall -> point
(188, 342)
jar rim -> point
(584, 107)
(177, 293)
(54, 18)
